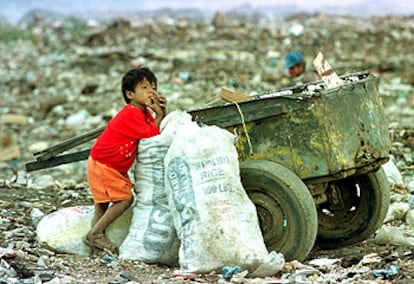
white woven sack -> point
(216, 221)
(152, 237)
(63, 230)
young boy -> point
(115, 149)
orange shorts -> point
(107, 184)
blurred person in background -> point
(296, 65)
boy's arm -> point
(159, 107)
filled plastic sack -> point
(215, 220)
(152, 237)
(64, 229)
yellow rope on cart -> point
(244, 127)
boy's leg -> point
(100, 209)
(96, 236)
(106, 184)
(113, 212)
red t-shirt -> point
(117, 146)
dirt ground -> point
(35, 260)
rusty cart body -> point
(310, 160)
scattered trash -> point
(326, 72)
(43, 182)
(61, 82)
(272, 264)
(39, 146)
(7, 252)
(393, 173)
(306, 275)
(386, 273)
(9, 149)
(110, 259)
(124, 277)
(36, 214)
(229, 271)
(393, 235)
(326, 264)
(397, 212)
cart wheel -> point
(356, 208)
(285, 208)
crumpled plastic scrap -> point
(386, 273)
(229, 271)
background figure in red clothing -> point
(115, 150)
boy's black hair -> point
(133, 77)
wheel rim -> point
(285, 208)
(347, 209)
(272, 218)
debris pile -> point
(60, 78)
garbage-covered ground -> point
(61, 78)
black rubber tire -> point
(369, 196)
(285, 208)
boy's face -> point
(145, 94)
